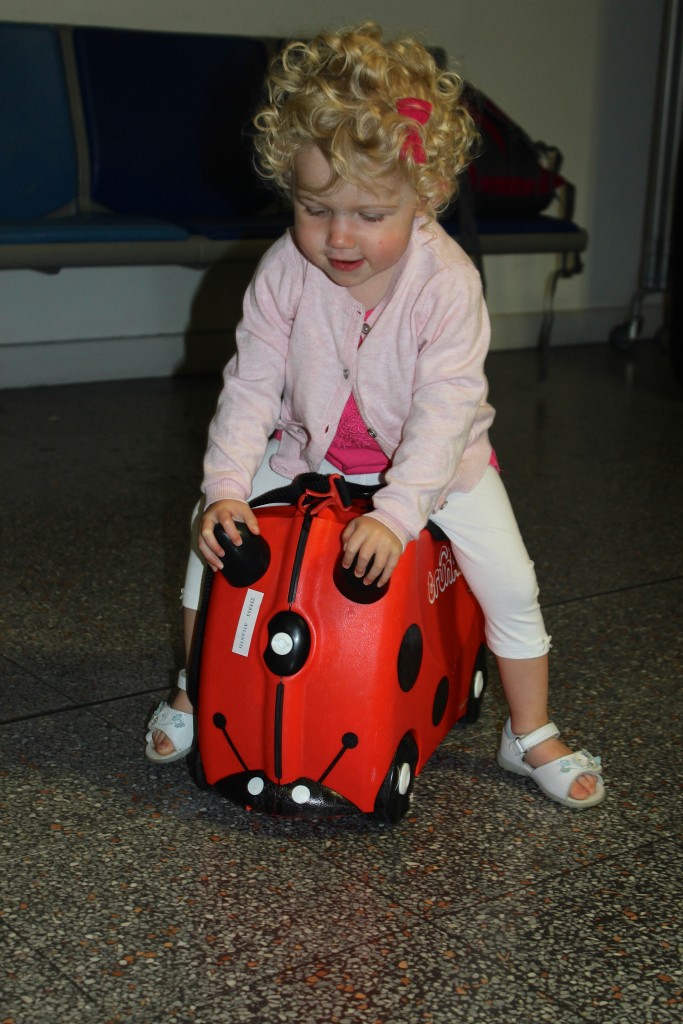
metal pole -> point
(665, 145)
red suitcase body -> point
(317, 695)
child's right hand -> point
(225, 512)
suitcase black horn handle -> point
(245, 563)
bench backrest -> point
(38, 163)
(166, 117)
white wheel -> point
(404, 777)
(477, 687)
(393, 799)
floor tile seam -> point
(267, 971)
(309, 965)
(133, 823)
(47, 961)
(627, 589)
(469, 903)
(79, 705)
(474, 900)
(438, 916)
(116, 835)
(28, 672)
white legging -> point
(489, 549)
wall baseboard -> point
(101, 359)
(511, 331)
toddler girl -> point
(362, 348)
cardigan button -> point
(347, 374)
(371, 432)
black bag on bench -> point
(511, 178)
(511, 175)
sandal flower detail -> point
(177, 725)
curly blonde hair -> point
(339, 92)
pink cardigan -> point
(418, 378)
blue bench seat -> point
(121, 147)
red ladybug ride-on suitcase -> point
(318, 695)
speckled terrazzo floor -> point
(128, 896)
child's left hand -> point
(368, 538)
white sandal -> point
(177, 725)
(555, 778)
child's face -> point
(355, 235)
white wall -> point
(580, 74)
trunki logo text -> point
(443, 576)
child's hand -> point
(225, 512)
(368, 538)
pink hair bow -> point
(420, 111)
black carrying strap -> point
(468, 229)
(318, 485)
